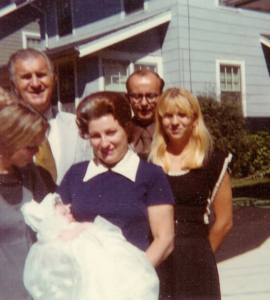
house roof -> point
(12, 6)
(259, 5)
(122, 32)
(265, 39)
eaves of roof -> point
(265, 39)
(13, 7)
(112, 36)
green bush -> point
(256, 158)
(225, 121)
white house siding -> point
(199, 34)
(217, 33)
(11, 43)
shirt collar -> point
(49, 114)
(127, 167)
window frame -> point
(134, 58)
(30, 34)
(232, 63)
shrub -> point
(226, 123)
(251, 151)
(256, 158)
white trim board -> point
(265, 41)
(123, 34)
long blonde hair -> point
(200, 144)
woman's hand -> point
(223, 214)
(161, 219)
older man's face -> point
(146, 86)
(34, 82)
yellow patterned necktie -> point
(44, 158)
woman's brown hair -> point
(101, 104)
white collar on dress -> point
(127, 167)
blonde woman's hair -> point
(20, 123)
(200, 144)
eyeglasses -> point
(150, 97)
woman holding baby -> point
(130, 193)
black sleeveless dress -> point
(191, 271)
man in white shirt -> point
(33, 78)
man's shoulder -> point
(65, 115)
(65, 118)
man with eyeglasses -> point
(143, 90)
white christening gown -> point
(97, 265)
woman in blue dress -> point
(198, 177)
(130, 193)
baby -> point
(83, 261)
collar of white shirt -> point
(127, 167)
(49, 114)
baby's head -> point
(64, 210)
(50, 213)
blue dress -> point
(117, 199)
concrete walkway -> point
(246, 276)
(244, 257)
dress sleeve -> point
(217, 168)
(159, 191)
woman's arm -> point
(161, 221)
(223, 214)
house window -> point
(33, 43)
(131, 6)
(115, 68)
(231, 82)
(31, 40)
(64, 17)
(65, 89)
(152, 67)
(115, 75)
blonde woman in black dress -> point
(198, 177)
